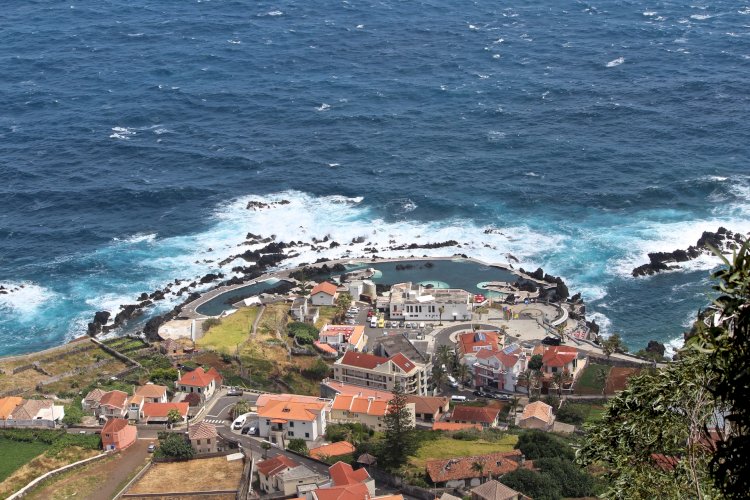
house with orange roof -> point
(537, 415)
(324, 294)
(286, 475)
(428, 408)
(495, 490)
(382, 373)
(455, 426)
(8, 406)
(337, 449)
(292, 416)
(346, 484)
(475, 341)
(329, 388)
(563, 359)
(499, 369)
(369, 411)
(91, 401)
(201, 381)
(344, 337)
(461, 472)
(113, 404)
(117, 434)
(152, 393)
(158, 413)
(203, 438)
(484, 416)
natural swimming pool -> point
(223, 301)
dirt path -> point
(100, 480)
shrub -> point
(571, 480)
(73, 414)
(538, 444)
(174, 445)
(298, 445)
(468, 435)
(210, 323)
(353, 432)
(163, 376)
(318, 371)
(571, 414)
(304, 333)
(533, 484)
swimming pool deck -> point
(190, 310)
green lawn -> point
(326, 315)
(17, 453)
(232, 330)
(590, 382)
(447, 447)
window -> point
(307, 434)
(290, 433)
(208, 441)
(291, 424)
(198, 442)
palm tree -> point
(526, 377)
(478, 467)
(266, 446)
(513, 407)
(445, 354)
(462, 372)
(601, 378)
(537, 375)
(439, 376)
(557, 378)
(173, 416)
(441, 310)
(240, 408)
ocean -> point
(586, 134)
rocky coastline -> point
(723, 240)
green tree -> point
(462, 372)
(571, 480)
(570, 413)
(298, 445)
(210, 323)
(441, 310)
(240, 408)
(163, 376)
(173, 416)
(478, 467)
(400, 439)
(265, 446)
(536, 444)
(557, 379)
(613, 344)
(601, 377)
(535, 363)
(660, 414)
(728, 345)
(73, 414)
(514, 401)
(532, 484)
(174, 445)
(439, 376)
(445, 356)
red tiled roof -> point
(114, 425)
(427, 404)
(162, 409)
(274, 465)
(355, 390)
(478, 341)
(351, 492)
(495, 464)
(343, 474)
(454, 426)
(332, 450)
(559, 356)
(325, 287)
(403, 362)
(325, 347)
(474, 414)
(539, 410)
(200, 377)
(202, 430)
(361, 360)
(151, 391)
(115, 399)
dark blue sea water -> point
(132, 135)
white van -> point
(452, 381)
(373, 322)
(239, 422)
(458, 399)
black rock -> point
(101, 317)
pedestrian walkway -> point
(215, 421)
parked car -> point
(501, 397)
(151, 448)
(235, 392)
(479, 393)
(551, 341)
(245, 430)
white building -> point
(324, 294)
(499, 369)
(416, 303)
(381, 373)
(282, 417)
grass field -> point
(326, 315)
(194, 475)
(16, 453)
(590, 381)
(233, 330)
(447, 447)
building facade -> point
(381, 373)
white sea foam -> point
(701, 17)
(275, 13)
(615, 62)
(334, 165)
(235, 42)
(123, 133)
(323, 107)
(24, 298)
(135, 34)
(744, 11)
(649, 13)
(531, 174)
(137, 238)
(494, 136)
(360, 26)
(604, 323)
(674, 345)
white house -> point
(416, 303)
(200, 381)
(324, 294)
(499, 369)
(287, 416)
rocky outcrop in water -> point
(259, 205)
(723, 240)
(414, 246)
